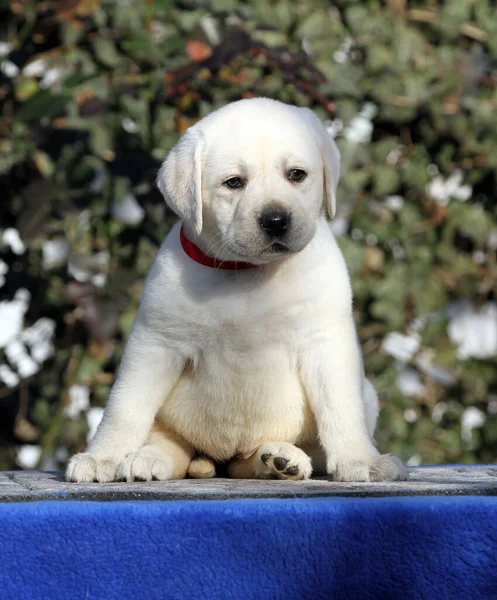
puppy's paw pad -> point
(141, 466)
(85, 468)
(283, 461)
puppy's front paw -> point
(86, 468)
(380, 468)
(281, 460)
(144, 466)
(388, 468)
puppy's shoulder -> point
(163, 284)
(326, 249)
(327, 268)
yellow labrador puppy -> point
(244, 349)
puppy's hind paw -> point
(202, 468)
(280, 460)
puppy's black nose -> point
(275, 222)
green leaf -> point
(43, 104)
(106, 52)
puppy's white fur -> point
(258, 367)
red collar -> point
(197, 255)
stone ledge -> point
(28, 486)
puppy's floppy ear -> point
(180, 179)
(331, 158)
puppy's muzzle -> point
(276, 223)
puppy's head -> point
(248, 179)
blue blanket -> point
(386, 548)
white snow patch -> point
(492, 239)
(99, 180)
(128, 210)
(342, 55)
(12, 316)
(8, 376)
(93, 417)
(4, 269)
(211, 29)
(472, 418)
(443, 190)
(474, 332)
(12, 239)
(84, 219)
(39, 338)
(54, 253)
(79, 401)
(157, 31)
(307, 46)
(394, 155)
(35, 68)
(232, 20)
(61, 454)
(425, 363)
(400, 346)
(9, 69)
(18, 357)
(28, 456)
(479, 257)
(84, 275)
(414, 461)
(15, 341)
(360, 128)
(99, 280)
(417, 324)
(334, 127)
(371, 239)
(339, 225)
(492, 405)
(438, 411)
(397, 250)
(51, 77)
(432, 170)
(410, 415)
(129, 125)
(78, 273)
(5, 48)
(394, 203)
(409, 383)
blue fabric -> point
(387, 548)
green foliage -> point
(95, 93)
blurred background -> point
(95, 92)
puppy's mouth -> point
(277, 248)
(274, 250)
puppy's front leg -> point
(148, 372)
(331, 373)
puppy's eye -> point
(296, 175)
(234, 183)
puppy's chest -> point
(251, 332)
(242, 385)
(245, 321)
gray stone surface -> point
(22, 486)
